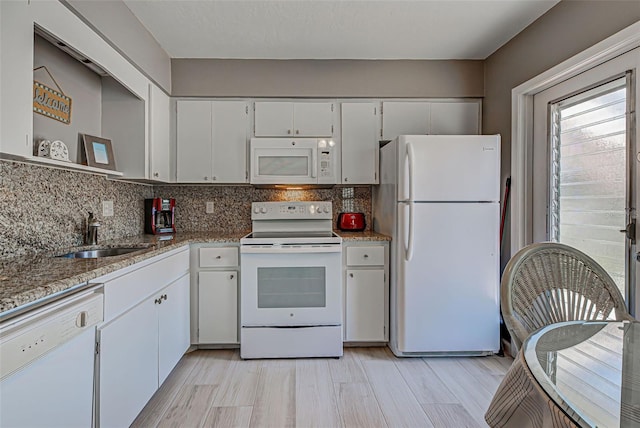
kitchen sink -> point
(101, 252)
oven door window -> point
(289, 166)
(292, 287)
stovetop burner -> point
(298, 223)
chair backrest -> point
(548, 282)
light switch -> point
(107, 208)
(209, 209)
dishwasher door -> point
(48, 365)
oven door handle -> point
(248, 249)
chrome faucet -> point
(92, 229)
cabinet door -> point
(230, 123)
(128, 365)
(359, 143)
(404, 118)
(218, 307)
(313, 119)
(158, 134)
(455, 118)
(173, 326)
(273, 119)
(194, 141)
(365, 312)
(16, 85)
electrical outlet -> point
(107, 208)
(209, 209)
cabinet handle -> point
(158, 301)
(218, 257)
(297, 131)
(231, 276)
(288, 131)
(350, 275)
(346, 179)
(164, 296)
(214, 178)
(155, 174)
(206, 178)
(366, 256)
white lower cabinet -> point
(173, 326)
(143, 337)
(214, 294)
(366, 291)
(218, 307)
(128, 365)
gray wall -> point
(116, 23)
(567, 29)
(82, 85)
(326, 78)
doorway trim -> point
(522, 124)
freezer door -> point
(448, 277)
(449, 167)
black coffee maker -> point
(159, 216)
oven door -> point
(284, 161)
(291, 285)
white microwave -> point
(293, 161)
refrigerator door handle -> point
(410, 169)
(408, 253)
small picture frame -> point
(97, 152)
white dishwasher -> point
(47, 363)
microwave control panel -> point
(326, 164)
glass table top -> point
(589, 369)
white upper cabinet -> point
(313, 119)
(16, 85)
(194, 151)
(404, 118)
(360, 125)
(230, 139)
(285, 119)
(159, 113)
(432, 117)
(455, 118)
(212, 138)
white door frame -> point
(522, 124)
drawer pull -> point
(231, 276)
(350, 275)
(366, 256)
(218, 257)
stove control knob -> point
(256, 209)
(263, 210)
(326, 209)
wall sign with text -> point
(51, 103)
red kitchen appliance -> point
(159, 216)
(353, 222)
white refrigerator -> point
(439, 200)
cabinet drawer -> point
(365, 256)
(218, 257)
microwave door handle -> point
(314, 165)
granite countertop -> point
(367, 235)
(26, 279)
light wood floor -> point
(367, 387)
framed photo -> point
(97, 152)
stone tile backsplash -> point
(45, 209)
(232, 204)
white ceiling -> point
(330, 29)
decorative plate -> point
(44, 148)
(59, 151)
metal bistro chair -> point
(548, 282)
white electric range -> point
(291, 282)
